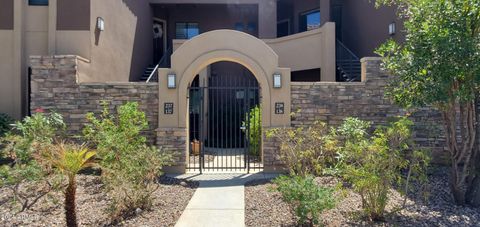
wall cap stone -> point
(328, 83)
(365, 59)
(117, 83)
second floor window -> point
(186, 30)
(310, 20)
(38, 2)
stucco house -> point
(199, 68)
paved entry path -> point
(219, 200)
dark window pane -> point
(38, 2)
(283, 29)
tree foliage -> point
(67, 160)
(438, 65)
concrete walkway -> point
(219, 200)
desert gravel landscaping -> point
(264, 207)
(171, 198)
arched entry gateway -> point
(192, 59)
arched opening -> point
(224, 119)
(194, 58)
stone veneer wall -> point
(332, 102)
(54, 87)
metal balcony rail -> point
(164, 62)
(348, 64)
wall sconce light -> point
(277, 80)
(392, 28)
(171, 81)
(100, 24)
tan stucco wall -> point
(124, 49)
(8, 86)
(308, 50)
(73, 42)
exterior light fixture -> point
(171, 81)
(100, 24)
(277, 80)
(392, 28)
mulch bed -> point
(264, 207)
(170, 200)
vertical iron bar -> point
(229, 123)
(200, 132)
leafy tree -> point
(438, 65)
(68, 160)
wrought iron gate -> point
(225, 125)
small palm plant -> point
(68, 160)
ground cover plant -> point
(307, 199)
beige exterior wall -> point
(8, 86)
(124, 49)
(28, 37)
(308, 50)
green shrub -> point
(254, 130)
(132, 180)
(306, 149)
(23, 146)
(116, 135)
(129, 166)
(375, 163)
(307, 199)
(5, 123)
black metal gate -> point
(225, 125)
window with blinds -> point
(186, 30)
(38, 2)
